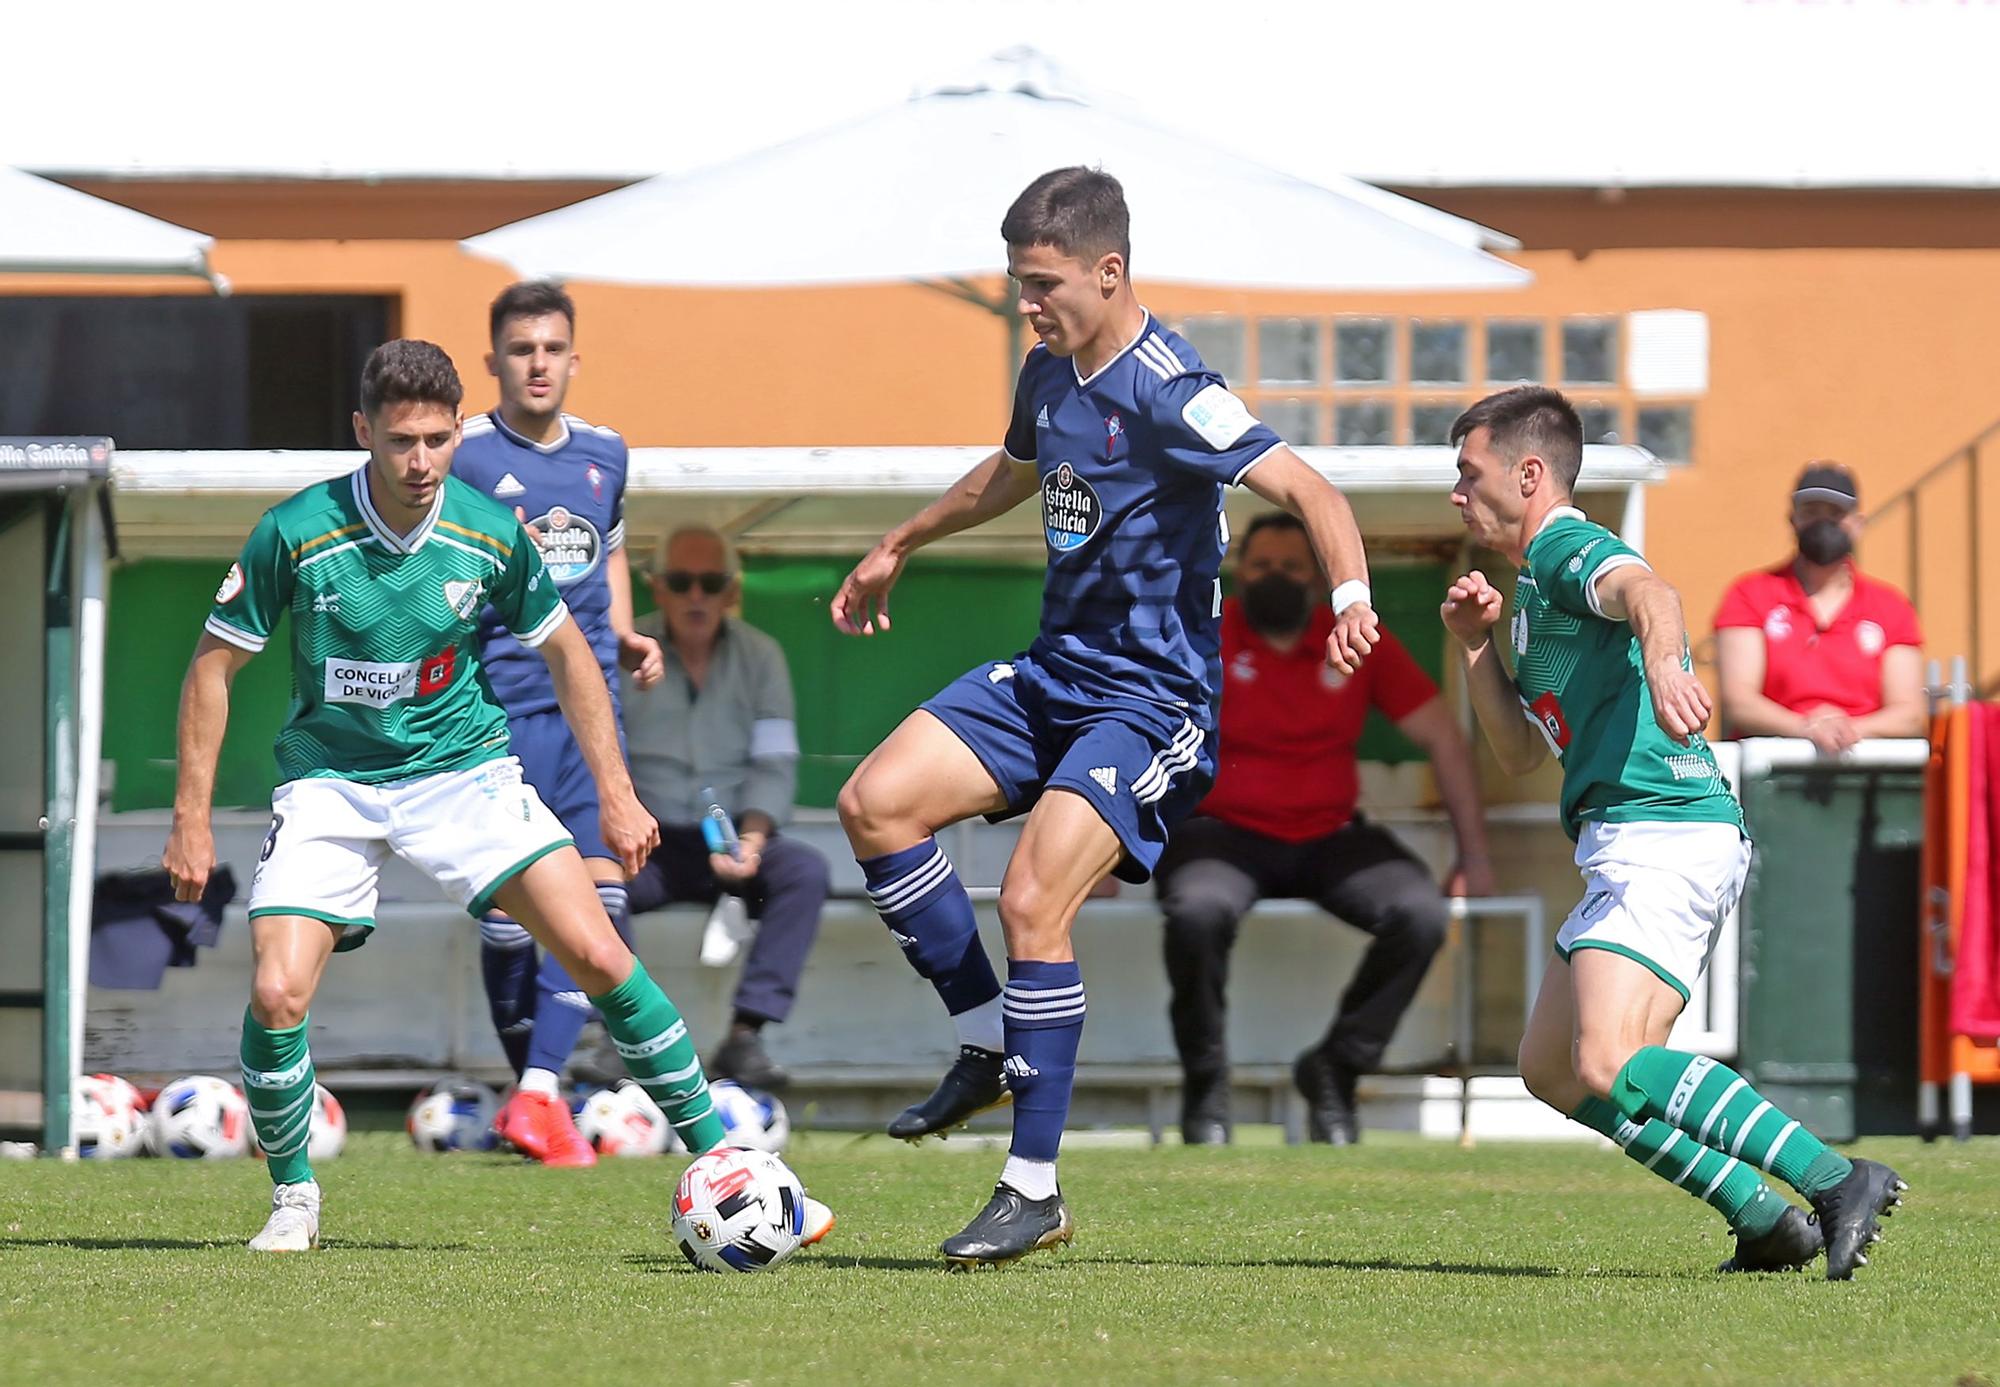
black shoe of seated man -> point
(1847, 1215)
(1205, 1110)
(1328, 1087)
(741, 1057)
(974, 1083)
(1008, 1229)
(1791, 1245)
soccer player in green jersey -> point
(395, 743)
(1602, 675)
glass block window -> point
(1431, 421)
(1590, 351)
(1288, 351)
(1364, 351)
(1219, 338)
(1513, 352)
(1437, 353)
(1364, 423)
(1667, 431)
(1295, 421)
(1600, 423)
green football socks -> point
(653, 1040)
(1717, 1107)
(1718, 1179)
(278, 1081)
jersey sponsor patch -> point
(1217, 416)
(371, 682)
(1071, 512)
(571, 546)
(232, 583)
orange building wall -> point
(1882, 353)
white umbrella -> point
(916, 192)
(46, 228)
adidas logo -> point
(903, 941)
(509, 485)
(1042, 419)
(1107, 776)
(999, 672)
(1018, 1068)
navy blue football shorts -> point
(553, 763)
(1142, 765)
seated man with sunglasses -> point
(722, 720)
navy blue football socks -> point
(507, 958)
(1043, 1007)
(928, 913)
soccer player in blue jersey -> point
(565, 478)
(1103, 731)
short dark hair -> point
(1269, 520)
(1529, 419)
(530, 298)
(1079, 211)
(408, 371)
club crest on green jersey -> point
(463, 596)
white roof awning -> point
(46, 228)
(804, 500)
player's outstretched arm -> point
(1471, 609)
(1283, 478)
(993, 488)
(190, 852)
(629, 830)
(1636, 594)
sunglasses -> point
(680, 580)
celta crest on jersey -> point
(1071, 511)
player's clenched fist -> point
(1681, 705)
(1471, 607)
(629, 831)
(189, 859)
(1355, 632)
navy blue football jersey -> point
(573, 491)
(1133, 461)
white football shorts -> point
(1656, 892)
(470, 831)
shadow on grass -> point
(656, 1263)
(204, 1244)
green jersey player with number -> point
(1602, 674)
(394, 743)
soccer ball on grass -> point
(200, 1117)
(739, 1210)
(454, 1115)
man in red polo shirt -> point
(1281, 821)
(1812, 648)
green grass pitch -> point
(1394, 1262)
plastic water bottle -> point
(717, 830)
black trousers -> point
(785, 897)
(1212, 874)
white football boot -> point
(294, 1222)
(819, 1222)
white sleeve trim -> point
(774, 737)
(616, 539)
(1237, 480)
(548, 627)
(235, 635)
(1597, 576)
(1018, 462)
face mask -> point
(1824, 542)
(1275, 604)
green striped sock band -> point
(1717, 1106)
(653, 1041)
(1718, 1179)
(278, 1080)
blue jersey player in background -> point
(1103, 731)
(565, 478)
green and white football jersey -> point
(1582, 681)
(386, 682)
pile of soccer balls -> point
(200, 1117)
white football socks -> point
(1031, 1179)
(981, 1026)
(538, 1081)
